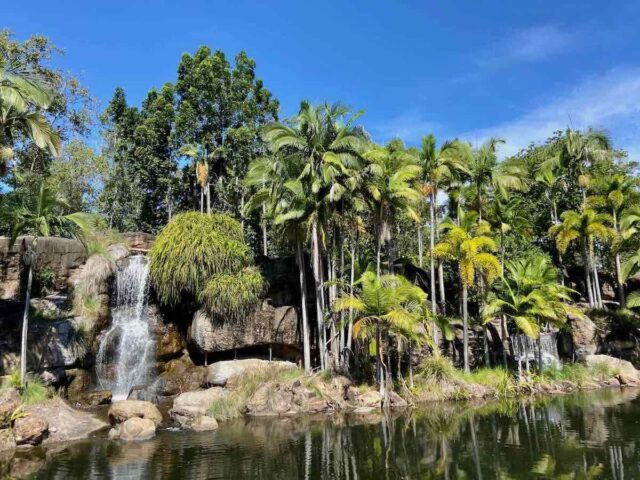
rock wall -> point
(60, 255)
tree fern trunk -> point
(306, 339)
(465, 328)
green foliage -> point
(34, 391)
(232, 296)
(497, 378)
(436, 369)
(573, 372)
(204, 257)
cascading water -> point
(126, 349)
(526, 351)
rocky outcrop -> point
(219, 373)
(622, 370)
(137, 429)
(181, 375)
(30, 430)
(9, 402)
(278, 398)
(267, 325)
(190, 405)
(66, 423)
(583, 334)
(126, 409)
(204, 424)
(7, 440)
(170, 343)
(139, 241)
(61, 256)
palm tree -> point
(586, 226)
(390, 188)
(530, 296)
(328, 147)
(437, 164)
(198, 153)
(37, 212)
(615, 194)
(577, 153)
(23, 95)
(486, 173)
(386, 304)
(273, 175)
(469, 245)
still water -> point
(582, 436)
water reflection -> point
(581, 436)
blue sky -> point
(473, 68)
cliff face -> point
(59, 257)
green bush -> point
(573, 372)
(232, 296)
(193, 249)
(436, 368)
(498, 378)
(34, 391)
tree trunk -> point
(465, 329)
(264, 230)
(379, 253)
(351, 282)
(443, 300)
(420, 254)
(317, 274)
(379, 361)
(621, 297)
(201, 199)
(432, 243)
(596, 283)
(306, 339)
(587, 274)
(31, 256)
(208, 197)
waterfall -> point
(525, 350)
(126, 349)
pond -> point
(585, 435)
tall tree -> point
(467, 243)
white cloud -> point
(410, 126)
(610, 101)
(531, 44)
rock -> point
(278, 398)
(396, 401)
(50, 307)
(30, 430)
(612, 382)
(170, 342)
(62, 256)
(190, 405)
(118, 251)
(58, 342)
(114, 433)
(220, 372)
(98, 397)
(80, 381)
(371, 398)
(204, 423)
(26, 467)
(627, 374)
(181, 375)
(268, 325)
(146, 393)
(9, 402)
(126, 409)
(66, 423)
(139, 241)
(7, 440)
(137, 429)
(583, 332)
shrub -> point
(34, 391)
(498, 378)
(204, 257)
(602, 371)
(573, 372)
(436, 368)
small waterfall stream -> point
(525, 350)
(126, 349)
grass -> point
(34, 391)
(242, 387)
(497, 378)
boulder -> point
(583, 332)
(181, 375)
(278, 398)
(98, 397)
(30, 430)
(146, 393)
(66, 423)
(204, 423)
(9, 402)
(220, 372)
(137, 429)
(190, 405)
(625, 371)
(266, 325)
(7, 440)
(170, 342)
(50, 307)
(139, 241)
(79, 383)
(370, 398)
(126, 409)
